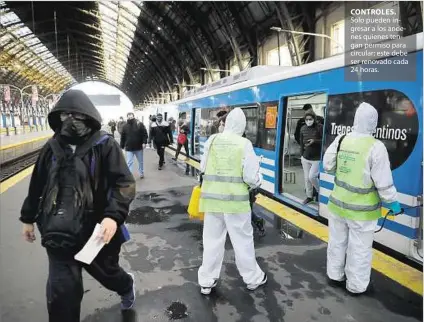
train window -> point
(267, 126)
(300, 158)
(397, 127)
(251, 123)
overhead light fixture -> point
(159, 28)
(151, 42)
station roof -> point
(141, 47)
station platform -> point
(165, 252)
(16, 145)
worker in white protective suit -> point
(229, 166)
(363, 179)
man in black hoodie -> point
(161, 135)
(75, 120)
(133, 140)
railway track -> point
(14, 166)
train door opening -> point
(300, 157)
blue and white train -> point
(273, 97)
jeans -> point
(311, 174)
(130, 160)
(65, 286)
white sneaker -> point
(208, 290)
(252, 287)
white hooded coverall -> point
(349, 252)
(238, 226)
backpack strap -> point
(97, 138)
(58, 153)
(83, 149)
(340, 142)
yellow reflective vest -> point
(223, 188)
(351, 197)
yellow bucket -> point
(193, 206)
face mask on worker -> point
(74, 125)
(309, 121)
(159, 118)
(130, 117)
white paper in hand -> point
(92, 248)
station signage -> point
(397, 126)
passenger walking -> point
(120, 125)
(310, 150)
(161, 135)
(230, 167)
(301, 122)
(112, 125)
(363, 179)
(134, 140)
(182, 140)
(80, 179)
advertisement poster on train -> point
(271, 117)
(397, 125)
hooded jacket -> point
(377, 168)
(236, 123)
(111, 170)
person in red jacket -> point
(182, 140)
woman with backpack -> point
(182, 140)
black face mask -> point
(73, 128)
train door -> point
(299, 174)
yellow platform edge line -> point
(9, 183)
(10, 146)
(401, 273)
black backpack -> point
(65, 207)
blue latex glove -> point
(395, 208)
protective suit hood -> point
(366, 118)
(235, 122)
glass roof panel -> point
(5, 39)
(18, 40)
(31, 42)
(9, 18)
(22, 32)
(118, 24)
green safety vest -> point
(223, 188)
(351, 198)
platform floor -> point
(165, 253)
(22, 137)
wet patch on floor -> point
(296, 288)
(177, 311)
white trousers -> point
(240, 229)
(311, 174)
(349, 251)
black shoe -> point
(160, 167)
(307, 200)
(334, 283)
(174, 159)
